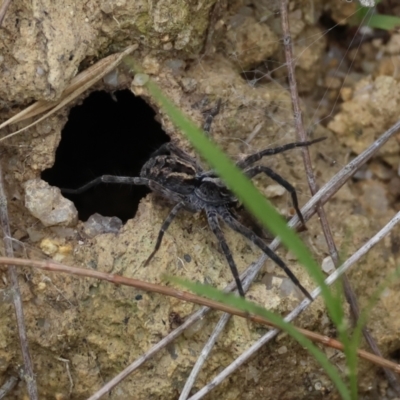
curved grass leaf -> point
(252, 308)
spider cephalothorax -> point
(178, 177)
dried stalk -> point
(189, 297)
(78, 85)
(8, 385)
(298, 120)
(29, 376)
(3, 10)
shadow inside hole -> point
(107, 134)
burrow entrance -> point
(108, 134)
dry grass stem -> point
(3, 10)
(192, 298)
(8, 385)
(348, 290)
(28, 373)
(78, 85)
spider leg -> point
(126, 180)
(210, 114)
(214, 225)
(252, 158)
(105, 179)
(238, 227)
(258, 169)
(165, 225)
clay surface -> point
(83, 332)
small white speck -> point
(282, 350)
(368, 3)
(327, 265)
(318, 386)
(140, 79)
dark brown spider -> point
(178, 177)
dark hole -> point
(106, 135)
(349, 36)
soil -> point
(83, 332)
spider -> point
(178, 177)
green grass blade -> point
(375, 20)
(255, 309)
(386, 22)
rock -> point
(46, 203)
(274, 191)
(97, 224)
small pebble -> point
(46, 203)
(140, 79)
(327, 265)
(318, 386)
(274, 191)
(282, 350)
(98, 224)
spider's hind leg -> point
(209, 116)
(238, 227)
(164, 227)
(258, 169)
(214, 225)
(252, 158)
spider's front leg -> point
(164, 227)
(258, 169)
(214, 225)
(127, 180)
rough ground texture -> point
(194, 50)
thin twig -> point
(192, 298)
(298, 120)
(3, 10)
(208, 348)
(297, 311)
(205, 352)
(8, 385)
(16, 295)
